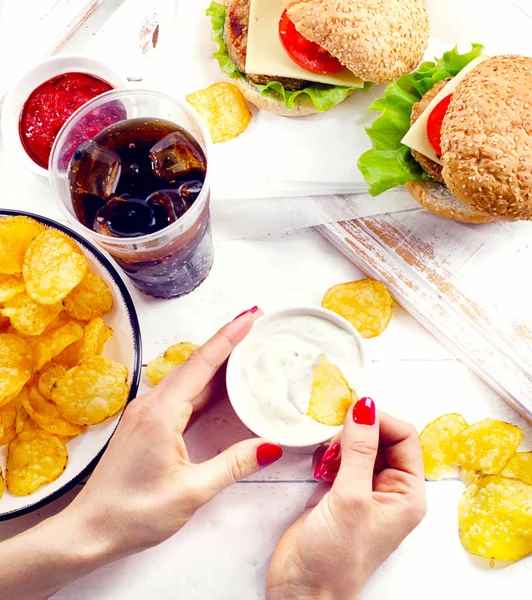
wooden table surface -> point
(223, 553)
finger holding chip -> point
(224, 110)
(366, 304)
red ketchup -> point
(50, 105)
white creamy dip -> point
(273, 369)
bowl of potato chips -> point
(70, 359)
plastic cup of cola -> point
(167, 263)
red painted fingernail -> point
(364, 412)
(268, 454)
(332, 453)
(251, 311)
(325, 473)
(318, 454)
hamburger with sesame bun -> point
(300, 57)
(457, 134)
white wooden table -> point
(223, 553)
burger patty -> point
(236, 40)
(431, 168)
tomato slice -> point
(306, 54)
(435, 122)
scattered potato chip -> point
(174, 356)
(45, 413)
(486, 446)
(519, 467)
(10, 286)
(27, 316)
(436, 441)
(224, 110)
(89, 299)
(48, 378)
(88, 345)
(34, 459)
(53, 266)
(16, 233)
(91, 392)
(366, 304)
(330, 396)
(16, 366)
(495, 517)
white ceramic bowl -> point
(20, 92)
(292, 437)
(125, 346)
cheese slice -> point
(417, 138)
(267, 56)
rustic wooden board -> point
(467, 284)
(47, 27)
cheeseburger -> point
(458, 135)
(299, 57)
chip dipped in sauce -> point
(48, 108)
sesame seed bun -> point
(378, 40)
(301, 108)
(487, 139)
(437, 199)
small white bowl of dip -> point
(269, 375)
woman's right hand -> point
(350, 528)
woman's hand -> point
(350, 529)
(145, 488)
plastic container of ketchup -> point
(45, 97)
(50, 105)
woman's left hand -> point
(145, 488)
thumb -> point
(236, 463)
(360, 442)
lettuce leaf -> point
(322, 96)
(390, 163)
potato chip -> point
(91, 392)
(16, 366)
(174, 356)
(53, 266)
(495, 517)
(88, 345)
(16, 233)
(436, 441)
(8, 415)
(89, 299)
(330, 396)
(7, 436)
(486, 446)
(5, 323)
(519, 467)
(224, 110)
(22, 417)
(34, 459)
(52, 343)
(48, 378)
(366, 304)
(10, 286)
(45, 414)
(27, 316)
(104, 335)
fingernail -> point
(268, 454)
(332, 453)
(325, 474)
(364, 412)
(251, 311)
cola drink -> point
(141, 182)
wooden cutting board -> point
(469, 285)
